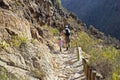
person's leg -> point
(61, 46)
(60, 49)
(67, 47)
(67, 42)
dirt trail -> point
(68, 67)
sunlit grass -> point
(103, 58)
(5, 75)
(54, 31)
(18, 40)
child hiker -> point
(60, 43)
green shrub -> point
(84, 40)
(58, 3)
(3, 44)
(4, 75)
(116, 75)
(103, 58)
(54, 31)
(34, 41)
(17, 40)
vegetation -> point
(34, 41)
(58, 3)
(105, 59)
(3, 44)
(38, 74)
(4, 75)
(18, 40)
(54, 31)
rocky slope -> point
(104, 15)
(26, 44)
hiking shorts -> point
(67, 39)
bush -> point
(18, 40)
(3, 44)
(116, 73)
(34, 41)
(104, 59)
(54, 31)
(4, 75)
(83, 40)
(58, 3)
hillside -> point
(29, 50)
(27, 43)
(104, 15)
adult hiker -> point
(67, 37)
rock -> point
(77, 75)
(30, 19)
(12, 22)
(67, 66)
(12, 33)
(4, 4)
(40, 31)
(36, 62)
(35, 34)
(4, 34)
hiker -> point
(60, 43)
(67, 37)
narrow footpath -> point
(68, 67)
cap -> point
(66, 26)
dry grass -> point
(103, 58)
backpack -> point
(67, 31)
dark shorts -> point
(67, 39)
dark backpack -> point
(67, 32)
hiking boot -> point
(66, 48)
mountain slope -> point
(27, 43)
(29, 31)
(104, 14)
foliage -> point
(116, 76)
(58, 3)
(17, 40)
(116, 73)
(104, 59)
(17, 2)
(85, 41)
(4, 75)
(34, 41)
(54, 31)
(3, 44)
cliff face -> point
(104, 15)
(20, 54)
(26, 44)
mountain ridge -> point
(104, 15)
